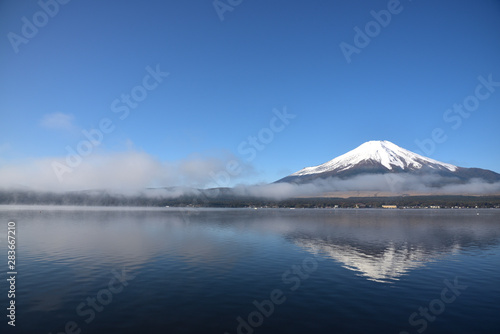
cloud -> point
(134, 171)
(369, 185)
(58, 120)
(124, 172)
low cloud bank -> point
(126, 172)
(135, 172)
(389, 183)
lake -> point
(170, 270)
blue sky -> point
(225, 78)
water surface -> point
(254, 271)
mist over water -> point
(199, 270)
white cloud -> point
(58, 121)
(133, 171)
(396, 184)
(120, 172)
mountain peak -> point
(377, 153)
(374, 160)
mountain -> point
(384, 157)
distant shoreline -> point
(104, 199)
(41, 207)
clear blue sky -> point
(226, 77)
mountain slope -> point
(383, 157)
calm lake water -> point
(119, 270)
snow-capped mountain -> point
(381, 157)
(381, 152)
